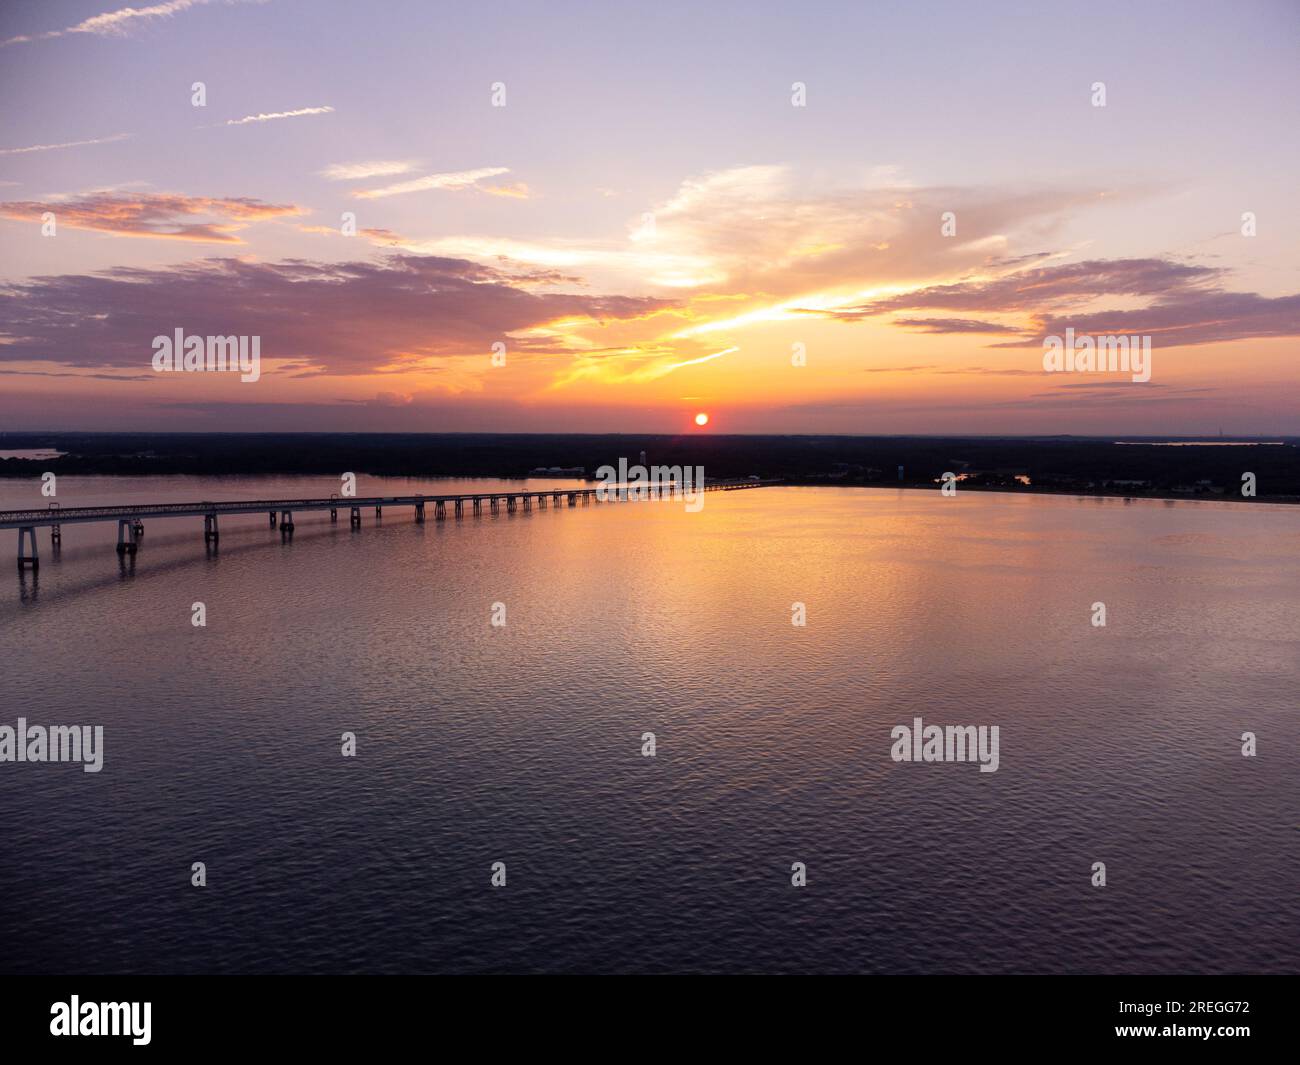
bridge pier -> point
(127, 544)
(28, 533)
(130, 524)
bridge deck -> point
(55, 515)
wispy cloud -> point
(1184, 319)
(662, 369)
(1185, 304)
(954, 325)
(1057, 286)
(120, 22)
(638, 364)
(273, 115)
(766, 229)
(363, 171)
(82, 375)
(517, 191)
(454, 180)
(65, 144)
(158, 215)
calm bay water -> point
(522, 744)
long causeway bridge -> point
(130, 517)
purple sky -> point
(650, 226)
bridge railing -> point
(10, 519)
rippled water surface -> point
(522, 744)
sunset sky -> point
(649, 225)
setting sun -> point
(701, 419)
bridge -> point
(130, 517)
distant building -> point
(558, 471)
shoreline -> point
(782, 482)
(1181, 497)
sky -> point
(610, 217)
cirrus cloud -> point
(362, 171)
(120, 22)
(162, 216)
(453, 181)
(272, 116)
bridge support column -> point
(28, 534)
(139, 529)
(272, 516)
(334, 513)
(126, 538)
(528, 502)
(573, 499)
(210, 533)
(440, 510)
(286, 523)
(460, 507)
(419, 512)
(511, 503)
(379, 511)
(356, 517)
(541, 501)
(478, 506)
(586, 498)
(56, 536)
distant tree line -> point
(1051, 463)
